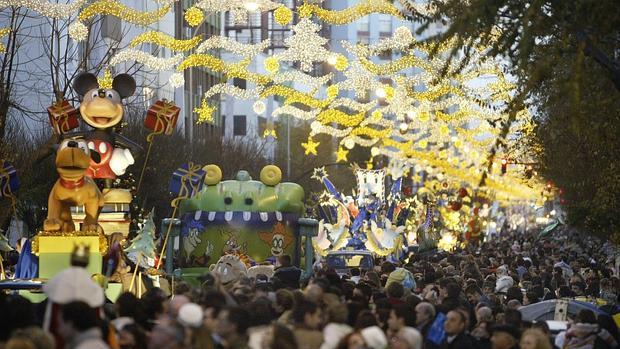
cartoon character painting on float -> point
(252, 220)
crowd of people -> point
(469, 298)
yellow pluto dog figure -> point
(73, 188)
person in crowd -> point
(308, 318)
(585, 333)
(482, 330)
(456, 327)
(406, 338)
(79, 326)
(475, 296)
(232, 325)
(279, 336)
(287, 273)
(505, 337)
(337, 327)
(534, 338)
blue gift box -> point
(9, 182)
(187, 180)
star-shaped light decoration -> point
(319, 173)
(310, 146)
(205, 112)
(341, 154)
(106, 80)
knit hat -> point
(191, 315)
(403, 277)
(374, 337)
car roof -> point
(345, 252)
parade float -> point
(253, 220)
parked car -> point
(344, 261)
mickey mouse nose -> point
(101, 92)
(72, 144)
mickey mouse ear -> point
(85, 82)
(124, 84)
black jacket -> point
(289, 276)
(462, 341)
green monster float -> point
(253, 220)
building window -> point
(239, 127)
(385, 24)
(240, 83)
(262, 125)
(363, 38)
(363, 24)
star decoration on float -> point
(319, 173)
(310, 146)
(341, 154)
(325, 197)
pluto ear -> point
(124, 84)
(85, 82)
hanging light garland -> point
(47, 9)
(79, 32)
(150, 61)
(233, 46)
(239, 9)
(348, 15)
(164, 40)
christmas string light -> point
(150, 61)
(176, 80)
(202, 60)
(233, 46)
(318, 128)
(350, 14)
(293, 96)
(106, 80)
(272, 65)
(239, 9)
(117, 9)
(78, 31)
(47, 9)
(353, 104)
(329, 116)
(283, 15)
(194, 16)
(295, 112)
(164, 40)
(310, 146)
(313, 82)
(233, 91)
(205, 112)
(305, 46)
(358, 80)
(371, 133)
(259, 107)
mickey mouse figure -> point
(101, 108)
